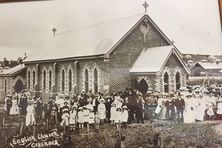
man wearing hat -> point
(180, 105)
(39, 109)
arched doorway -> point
(19, 86)
(143, 86)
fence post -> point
(161, 140)
(21, 128)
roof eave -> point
(11, 74)
(154, 25)
(175, 50)
(142, 73)
(66, 59)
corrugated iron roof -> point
(151, 59)
(12, 70)
(89, 41)
(213, 65)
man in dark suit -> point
(180, 105)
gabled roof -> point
(12, 71)
(96, 40)
(209, 65)
(153, 60)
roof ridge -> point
(97, 24)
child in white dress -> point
(80, 117)
(73, 116)
(14, 110)
(118, 118)
(113, 113)
(85, 114)
(65, 115)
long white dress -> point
(118, 118)
(91, 117)
(30, 116)
(102, 111)
(85, 115)
(113, 113)
(125, 116)
(72, 119)
(14, 110)
(189, 111)
(81, 117)
(200, 110)
(219, 108)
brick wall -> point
(172, 66)
(113, 73)
(123, 57)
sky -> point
(25, 27)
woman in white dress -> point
(102, 110)
(14, 110)
(200, 110)
(30, 115)
(161, 108)
(189, 111)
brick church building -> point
(129, 52)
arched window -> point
(95, 80)
(6, 86)
(44, 80)
(86, 80)
(166, 82)
(63, 80)
(177, 80)
(29, 79)
(33, 80)
(50, 80)
(70, 80)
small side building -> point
(12, 80)
(159, 69)
(206, 69)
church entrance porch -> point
(142, 83)
(19, 86)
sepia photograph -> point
(111, 74)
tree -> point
(5, 62)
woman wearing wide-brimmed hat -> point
(30, 115)
(102, 110)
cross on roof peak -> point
(145, 5)
(54, 30)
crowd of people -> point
(120, 109)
